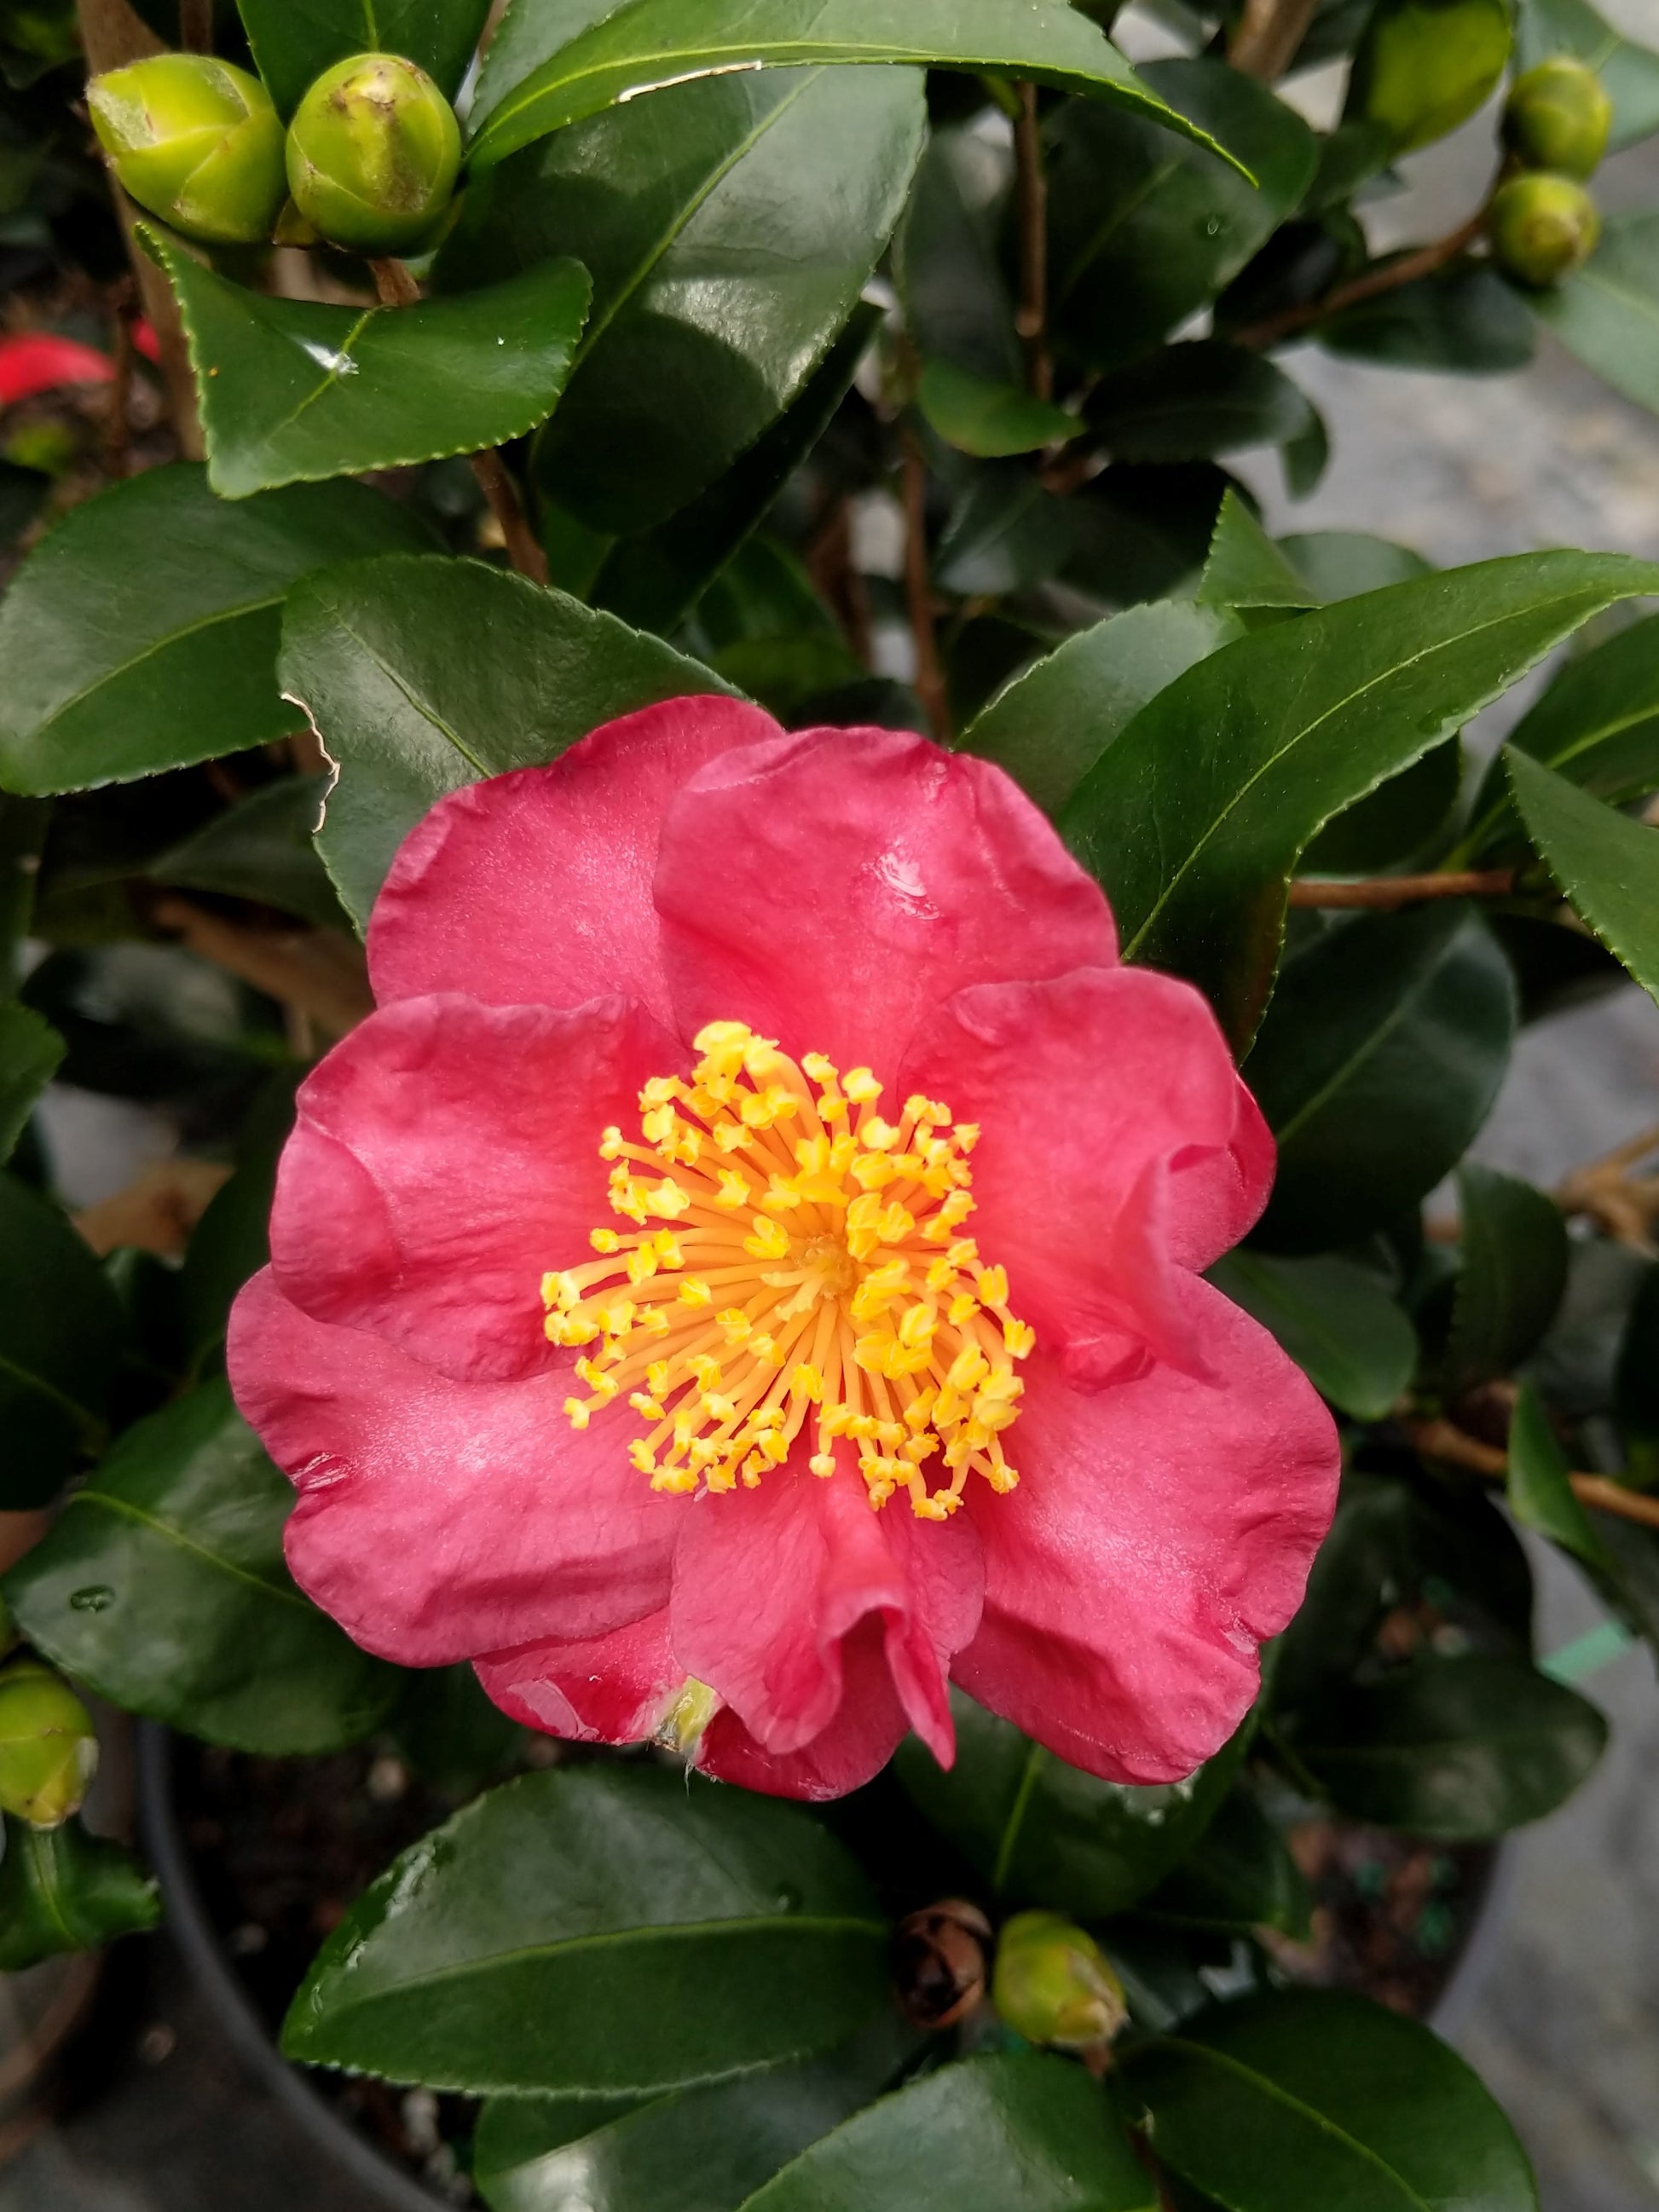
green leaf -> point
(162, 1587)
(1454, 1748)
(599, 1928)
(1538, 1485)
(1196, 401)
(1006, 533)
(946, 261)
(1051, 724)
(984, 2136)
(294, 41)
(1143, 227)
(1339, 564)
(1379, 1060)
(1608, 312)
(142, 633)
(1336, 1321)
(1247, 568)
(60, 1330)
(423, 675)
(987, 419)
(1629, 73)
(1636, 1379)
(1142, 531)
(231, 1243)
(31, 1053)
(63, 1889)
(1464, 319)
(292, 390)
(451, 1734)
(1297, 721)
(1313, 2098)
(1239, 1876)
(1040, 1832)
(1606, 864)
(261, 848)
(1513, 1275)
(1397, 820)
(552, 64)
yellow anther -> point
(576, 1409)
(735, 1324)
(963, 1252)
(615, 1317)
(694, 1292)
(639, 1454)
(820, 1070)
(641, 1265)
(735, 1190)
(667, 1246)
(643, 1402)
(992, 1284)
(968, 1369)
(605, 1240)
(658, 1124)
(670, 1198)
(822, 1464)
(807, 1383)
(879, 1136)
(769, 1241)
(610, 1144)
(1020, 1338)
(705, 1371)
(966, 1135)
(860, 1086)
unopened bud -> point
(1542, 228)
(1558, 116)
(48, 1746)
(197, 142)
(1053, 1985)
(940, 1961)
(1423, 66)
(373, 154)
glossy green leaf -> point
(294, 41)
(231, 1243)
(1629, 72)
(1145, 227)
(984, 2136)
(1454, 1748)
(551, 63)
(1193, 820)
(1042, 1833)
(1006, 533)
(1379, 1060)
(1606, 864)
(60, 1331)
(1464, 319)
(1513, 1275)
(1197, 400)
(423, 675)
(162, 1587)
(946, 261)
(142, 633)
(1247, 568)
(1339, 564)
(1337, 1322)
(1051, 724)
(987, 419)
(1539, 1487)
(1312, 2098)
(292, 390)
(261, 848)
(31, 1053)
(63, 1889)
(451, 1734)
(1395, 823)
(1140, 532)
(1240, 1875)
(1608, 312)
(599, 1928)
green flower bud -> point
(1423, 66)
(373, 154)
(1052, 1985)
(48, 1747)
(1558, 118)
(1542, 228)
(197, 142)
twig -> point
(1388, 891)
(1031, 319)
(196, 26)
(118, 423)
(1269, 32)
(1626, 1206)
(1442, 1440)
(392, 281)
(831, 564)
(1372, 286)
(919, 593)
(157, 1213)
(318, 974)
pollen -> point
(783, 1276)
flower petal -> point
(770, 1584)
(868, 1727)
(1118, 1147)
(831, 887)
(596, 1689)
(437, 1519)
(1162, 1529)
(534, 889)
(445, 1158)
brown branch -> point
(392, 281)
(117, 422)
(1626, 1206)
(1268, 33)
(1442, 1440)
(1372, 286)
(1031, 319)
(919, 593)
(1386, 892)
(317, 974)
(196, 26)
(157, 1213)
(831, 564)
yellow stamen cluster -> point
(793, 1257)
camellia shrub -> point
(811, 997)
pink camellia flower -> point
(745, 1275)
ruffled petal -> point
(769, 1585)
(831, 887)
(438, 1520)
(1162, 1529)
(593, 1689)
(445, 1158)
(534, 889)
(1118, 1150)
(869, 1725)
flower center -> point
(811, 1268)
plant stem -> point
(196, 26)
(1031, 319)
(314, 972)
(1442, 1440)
(398, 289)
(919, 593)
(118, 424)
(1273, 329)
(1265, 43)
(1625, 1205)
(1386, 892)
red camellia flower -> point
(746, 1275)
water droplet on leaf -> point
(97, 1597)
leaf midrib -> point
(119, 1506)
(1369, 1047)
(116, 675)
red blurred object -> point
(40, 362)
(145, 338)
